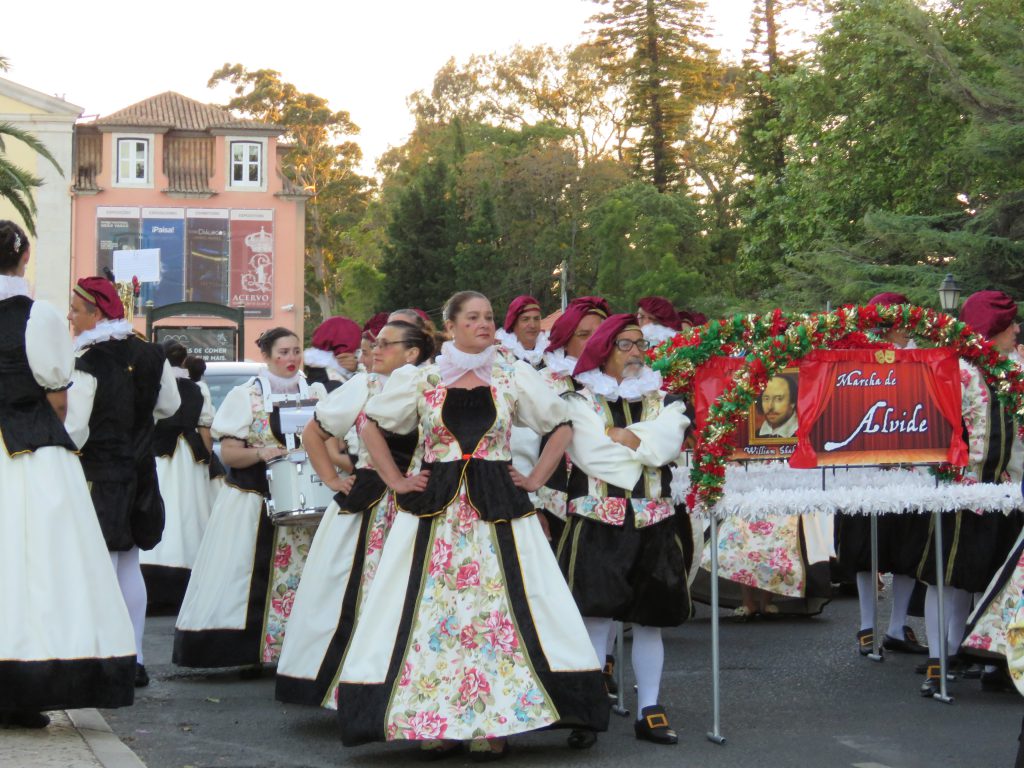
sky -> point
(363, 57)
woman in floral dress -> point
(346, 550)
(469, 632)
(247, 570)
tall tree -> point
(321, 160)
(658, 49)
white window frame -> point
(246, 185)
(122, 138)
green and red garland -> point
(773, 342)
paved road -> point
(795, 693)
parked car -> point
(221, 378)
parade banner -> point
(208, 249)
(252, 261)
(879, 406)
(164, 230)
(768, 430)
(117, 229)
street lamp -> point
(949, 294)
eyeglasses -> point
(384, 344)
(623, 345)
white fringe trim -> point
(105, 330)
(629, 389)
(533, 356)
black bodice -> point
(183, 423)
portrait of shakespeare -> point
(774, 412)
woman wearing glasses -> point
(347, 547)
(622, 552)
(468, 633)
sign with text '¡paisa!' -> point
(879, 406)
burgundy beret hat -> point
(337, 335)
(102, 294)
(599, 345)
(989, 312)
(661, 309)
(519, 305)
(565, 326)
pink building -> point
(201, 192)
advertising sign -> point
(117, 229)
(208, 249)
(879, 406)
(211, 344)
(164, 230)
(252, 261)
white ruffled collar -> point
(282, 385)
(559, 362)
(105, 330)
(657, 334)
(13, 285)
(179, 373)
(453, 363)
(511, 342)
(321, 358)
(629, 389)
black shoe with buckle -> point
(582, 739)
(609, 676)
(866, 641)
(653, 726)
(932, 678)
(907, 645)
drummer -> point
(350, 538)
(246, 571)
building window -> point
(246, 164)
(133, 161)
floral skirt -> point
(468, 631)
(242, 586)
(996, 628)
(342, 562)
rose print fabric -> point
(763, 553)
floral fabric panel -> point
(291, 546)
(551, 500)
(761, 553)
(650, 511)
(990, 630)
(612, 510)
(439, 444)
(260, 433)
(466, 674)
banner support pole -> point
(876, 651)
(940, 577)
(715, 734)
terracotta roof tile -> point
(176, 112)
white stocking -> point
(610, 647)
(648, 660)
(133, 588)
(598, 628)
(957, 618)
(902, 591)
(866, 597)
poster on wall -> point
(207, 261)
(117, 229)
(252, 261)
(164, 229)
(883, 406)
(768, 428)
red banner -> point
(768, 430)
(252, 261)
(867, 406)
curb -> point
(109, 750)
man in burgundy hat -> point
(568, 337)
(370, 330)
(976, 546)
(520, 334)
(621, 553)
(657, 318)
(122, 385)
(333, 357)
(689, 318)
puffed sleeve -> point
(336, 414)
(593, 451)
(395, 408)
(168, 399)
(80, 400)
(538, 407)
(974, 397)
(48, 345)
(206, 415)
(661, 438)
(234, 417)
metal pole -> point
(619, 707)
(715, 733)
(563, 277)
(876, 651)
(940, 577)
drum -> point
(297, 495)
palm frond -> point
(14, 132)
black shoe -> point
(25, 719)
(997, 680)
(972, 671)
(254, 672)
(908, 645)
(581, 739)
(609, 676)
(865, 641)
(141, 676)
(653, 726)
